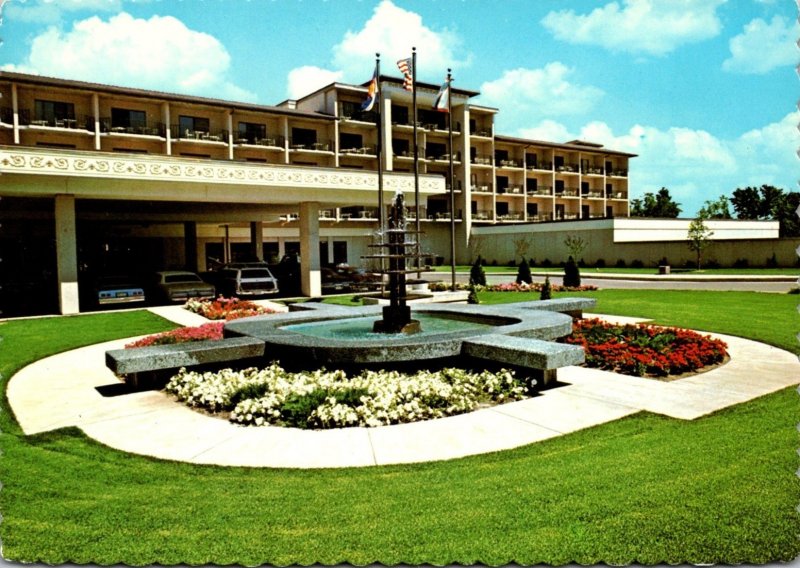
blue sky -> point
(704, 91)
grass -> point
(646, 488)
(588, 271)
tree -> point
(768, 202)
(699, 237)
(521, 246)
(660, 204)
(477, 277)
(719, 209)
(524, 273)
(575, 245)
(746, 202)
(572, 274)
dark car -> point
(179, 286)
(112, 290)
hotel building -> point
(96, 178)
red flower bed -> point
(226, 308)
(645, 350)
(183, 335)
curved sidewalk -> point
(76, 389)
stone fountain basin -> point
(284, 342)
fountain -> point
(397, 315)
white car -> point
(246, 279)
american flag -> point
(407, 69)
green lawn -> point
(646, 488)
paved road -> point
(746, 285)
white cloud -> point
(653, 27)
(526, 94)
(763, 46)
(50, 11)
(160, 53)
(694, 164)
(307, 79)
(392, 32)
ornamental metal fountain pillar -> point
(397, 315)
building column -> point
(256, 240)
(66, 254)
(190, 245)
(15, 111)
(310, 277)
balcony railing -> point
(304, 145)
(268, 141)
(481, 160)
(147, 129)
(567, 192)
(567, 168)
(593, 170)
(481, 188)
(618, 173)
(566, 216)
(482, 215)
(365, 151)
(189, 135)
(513, 188)
(443, 216)
(541, 190)
(444, 157)
(540, 217)
(509, 163)
(327, 214)
(458, 185)
(510, 217)
(482, 132)
(544, 166)
(593, 194)
(69, 123)
(410, 153)
(615, 195)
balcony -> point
(274, 142)
(147, 129)
(542, 190)
(513, 189)
(327, 214)
(366, 151)
(567, 192)
(593, 170)
(567, 169)
(508, 163)
(482, 132)
(189, 135)
(482, 215)
(618, 173)
(510, 217)
(616, 195)
(444, 158)
(352, 112)
(542, 166)
(306, 146)
(540, 218)
(593, 195)
(481, 160)
(67, 123)
(443, 216)
(566, 216)
(409, 154)
(481, 188)
(6, 115)
(362, 214)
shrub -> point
(572, 274)
(637, 263)
(546, 292)
(477, 277)
(205, 332)
(532, 262)
(472, 298)
(547, 263)
(512, 262)
(638, 349)
(620, 263)
(794, 290)
(524, 273)
(600, 263)
(741, 263)
(663, 261)
(712, 263)
(772, 262)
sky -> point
(704, 91)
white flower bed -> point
(329, 399)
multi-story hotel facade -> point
(97, 178)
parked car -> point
(179, 286)
(362, 280)
(333, 281)
(245, 279)
(110, 290)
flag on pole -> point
(442, 102)
(407, 69)
(372, 92)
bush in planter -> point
(712, 263)
(600, 263)
(621, 263)
(477, 277)
(741, 263)
(637, 263)
(547, 263)
(524, 273)
(663, 261)
(546, 292)
(572, 274)
(772, 262)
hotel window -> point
(350, 141)
(435, 151)
(532, 184)
(502, 184)
(252, 132)
(190, 125)
(531, 160)
(399, 115)
(53, 112)
(532, 209)
(401, 147)
(125, 118)
(501, 208)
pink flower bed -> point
(207, 331)
(226, 308)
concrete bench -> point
(134, 363)
(544, 357)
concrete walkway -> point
(81, 391)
